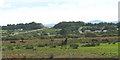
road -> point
(16, 33)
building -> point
(105, 30)
(97, 31)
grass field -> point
(105, 50)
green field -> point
(104, 50)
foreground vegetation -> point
(57, 48)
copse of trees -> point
(26, 26)
(69, 24)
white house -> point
(18, 29)
(117, 28)
(97, 31)
(105, 30)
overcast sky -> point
(54, 11)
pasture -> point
(74, 48)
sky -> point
(55, 11)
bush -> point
(91, 45)
(17, 47)
(12, 42)
(3, 49)
(109, 43)
(54, 46)
(46, 45)
(34, 49)
(41, 45)
(29, 47)
(74, 46)
(64, 42)
(114, 43)
(10, 47)
(97, 44)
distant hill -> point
(113, 22)
(96, 21)
(48, 25)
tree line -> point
(26, 26)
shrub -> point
(64, 47)
(59, 44)
(109, 43)
(41, 45)
(34, 49)
(64, 42)
(23, 41)
(18, 47)
(29, 47)
(46, 45)
(97, 44)
(94, 40)
(114, 43)
(54, 46)
(105, 40)
(3, 49)
(74, 46)
(91, 45)
(12, 42)
(10, 47)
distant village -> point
(102, 30)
